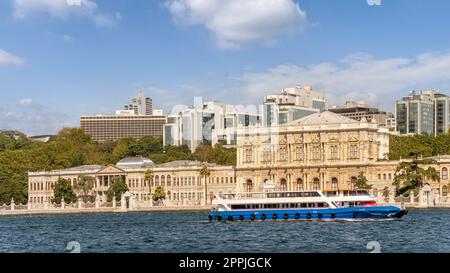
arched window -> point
(353, 180)
(444, 190)
(168, 195)
(444, 173)
(334, 183)
(283, 185)
(300, 185)
(316, 184)
(163, 180)
(249, 185)
(169, 180)
(156, 181)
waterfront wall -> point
(426, 198)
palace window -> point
(444, 173)
(283, 185)
(315, 152)
(300, 185)
(249, 185)
(353, 151)
(353, 181)
(283, 153)
(334, 183)
(334, 152)
(267, 154)
(299, 153)
(248, 155)
(316, 184)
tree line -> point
(72, 147)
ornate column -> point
(13, 205)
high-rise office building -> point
(426, 112)
(291, 104)
(125, 124)
(358, 110)
(140, 105)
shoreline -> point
(152, 209)
(102, 210)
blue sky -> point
(60, 61)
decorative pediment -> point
(353, 139)
(297, 138)
(111, 169)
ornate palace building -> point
(323, 151)
(181, 180)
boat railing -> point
(266, 195)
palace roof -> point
(184, 163)
(322, 118)
(135, 163)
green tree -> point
(63, 188)
(361, 182)
(159, 193)
(117, 188)
(410, 175)
(84, 187)
(386, 192)
(205, 172)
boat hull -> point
(377, 212)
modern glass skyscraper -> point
(426, 113)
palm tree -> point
(411, 176)
(148, 176)
(205, 172)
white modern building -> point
(291, 104)
(207, 123)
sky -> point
(61, 59)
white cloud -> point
(27, 101)
(67, 38)
(358, 77)
(64, 9)
(7, 58)
(104, 20)
(32, 118)
(236, 22)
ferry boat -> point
(300, 205)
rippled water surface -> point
(419, 231)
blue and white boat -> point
(300, 205)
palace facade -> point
(181, 180)
(323, 151)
